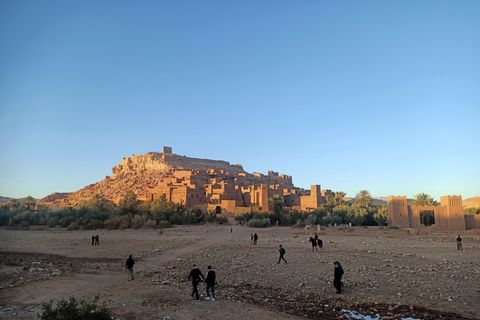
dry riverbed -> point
(389, 273)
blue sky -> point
(352, 95)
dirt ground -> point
(389, 273)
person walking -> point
(459, 243)
(282, 252)
(211, 281)
(97, 240)
(255, 238)
(337, 277)
(195, 275)
(129, 266)
(251, 238)
(93, 239)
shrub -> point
(258, 223)
(164, 224)
(52, 222)
(117, 223)
(150, 224)
(137, 221)
(220, 220)
(299, 224)
(392, 227)
(95, 224)
(65, 222)
(73, 310)
(73, 226)
(24, 225)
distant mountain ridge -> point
(5, 200)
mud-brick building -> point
(212, 185)
(448, 216)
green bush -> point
(73, 310)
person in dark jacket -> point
(255, 238)
(129, 266)
(337, 277)
(282, 252)
(211, 281)
(459, 243)
(93, 239)
(195, 275)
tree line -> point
(98, 213)
(335, 211)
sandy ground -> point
(389, 273)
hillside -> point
(471, 202)
(156, 173)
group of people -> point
(316, 242)
(95, 240)
(210, 280)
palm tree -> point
(423, 199)
(340, 195)
(13, 203)
(363, 198)
(277, 204)
(28, 202)
(331, 201)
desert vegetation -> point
(73, 309)
(336, 211)
(97, 213)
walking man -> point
(255, 238)
(282, 252)
(129, 266)
(251, 238)
(97, 240)
(195, 275)
(459, 243)
(211, 281)
(337, 277)
(93, 239)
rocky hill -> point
(138, 173)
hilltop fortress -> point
(208, 184)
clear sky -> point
(352, 95)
